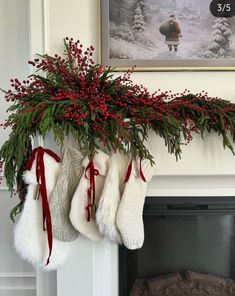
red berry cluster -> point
(77, 91)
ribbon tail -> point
(38, 154)
(43, 220)
(53, 155)
(92, 181)
(141, 172)
(88, 209)
(50, 239)
(91, 189)
(32, 158)
(128, 173)
(45, 205)
(89, 197)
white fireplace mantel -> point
(93, 267)
(204, 170)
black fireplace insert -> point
(182, 234)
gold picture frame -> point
(107, 47)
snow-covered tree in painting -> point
(219, 46)
(139, 23)
(125, 32)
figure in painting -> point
(171, 30)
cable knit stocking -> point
(130, 210)
(60, 201)
(81, 215)
(30, 239)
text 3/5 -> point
(223, 7)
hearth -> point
(184, 284)
(189, 242)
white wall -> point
(16, 276)
(14, 49)
(14, 54)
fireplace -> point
(186, 238)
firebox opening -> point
(184, 238)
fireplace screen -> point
(189, 249)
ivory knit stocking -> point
(79, 211)
(130, 210)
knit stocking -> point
(82, 215)
(110, 197)
(130, 210)
(61, 197)
(29, 237)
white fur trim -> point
(30, 176)
(52, 169)
(29, 237)
(110, 198)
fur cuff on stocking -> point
(30, 239)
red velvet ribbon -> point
(129, 169)
(91, 190)
(38, 154)
(128, 173)
(141, 172)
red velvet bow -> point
(91, 190)
(129, 169)
(38, 154)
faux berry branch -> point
(72, 94)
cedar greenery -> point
(70, 94)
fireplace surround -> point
(93, 268)
(182, 234)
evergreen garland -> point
(80, 97)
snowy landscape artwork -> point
(166, 33)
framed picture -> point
(165, 35)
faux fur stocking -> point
(110, 197)
(30, 239)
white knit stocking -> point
(130, 210)
(78, 212)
